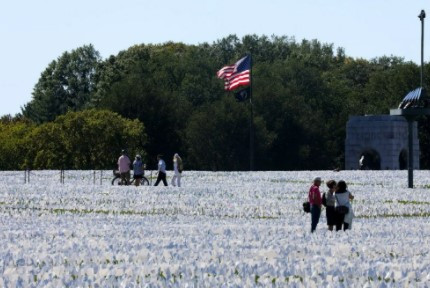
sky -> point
(34, 33)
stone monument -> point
(382, 140)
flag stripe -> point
(237, 80)
(236, 75)
(225, 72)
(238, 84)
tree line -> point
(165, 98)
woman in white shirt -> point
(161, 171)
(177, 169)
(343, 197)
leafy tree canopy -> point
(303, 94)
(90, 139)
(66, 84)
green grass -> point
(154, 212)
(405, 215)
(289, 181)
(413, 202)
(408, 202)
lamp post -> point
(422, 16)
(412, 107)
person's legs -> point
(163, 177)
(315, 215)
(179, 179)
(158, 179)
(127, 175)
(125, 178)
(339, 221)
(345, 226)
(122, 175)
(331, 220)
(137, 179)
(174, 180)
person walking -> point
(124, 167)
(177, 169)
(329, 204)
(138, 170)
(315, 202)
(343, 197)
(161, 171)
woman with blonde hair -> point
(177, 169)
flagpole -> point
(251, 124)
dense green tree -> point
(66, 84)
(159, 85)
(90, 139)
(303, 95)
(218, 136)
(12, 144)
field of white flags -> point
(221, 229)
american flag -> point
(236, 75)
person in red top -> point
(124, 167)
(316, 202)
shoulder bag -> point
(341, 209)
(307, 207)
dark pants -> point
(137, 179)
(331, 215)
(125, 178)
(161, 177)
(315, 214)
(345, 226)
(339, 222)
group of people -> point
(124, 169)
(177, 169)
(336, 200)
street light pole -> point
(422, 16)
(413, 108)
(251, 125)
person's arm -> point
(351, 197)
(158, 168)
(319, 197)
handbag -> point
(307, 207)
(341, 209)
(324, 200)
